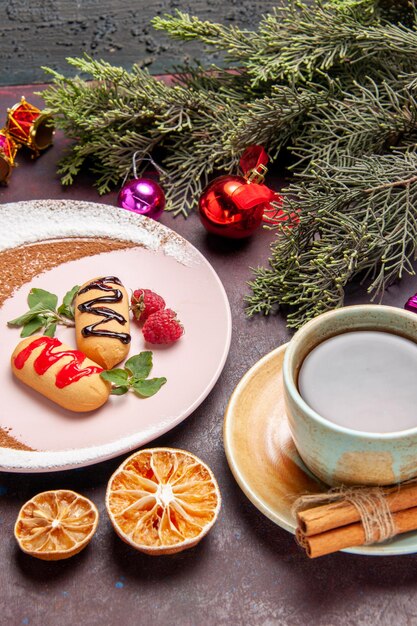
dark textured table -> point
(247, 570)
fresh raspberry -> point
(162, 327)
(144, 302)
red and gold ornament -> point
(234, 206)
(30, 126)
(8, 149)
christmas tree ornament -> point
(142, 195)
(30, 126)
(234, 206)
(8, 149)
(411, 304)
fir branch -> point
(359, 215)
(295, 42)
(276, 119)
(373, 119)
(298, 43)
(238, 43)
(334, 81)
(139, 110)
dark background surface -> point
(34, 33)
(247, 571)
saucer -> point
(263, 458)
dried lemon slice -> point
(162, 501)
(55, 525)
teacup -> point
(336, 454)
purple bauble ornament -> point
(144, 196)
(411, 304)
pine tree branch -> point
(334, 81)
(238, 43)
(371, 119)
(347, 227)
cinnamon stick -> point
(350, 535)
(325, 517)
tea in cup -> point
(350, 384)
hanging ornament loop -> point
(145, 157)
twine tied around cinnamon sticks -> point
(352, 516)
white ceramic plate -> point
(263, 457)
(157, 258)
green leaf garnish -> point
(134, 377)
(50, 329)
(70, 295)
(119, 391)
(27, 317)
(140, 365)
(67, 307)
(31, 327)
(117, 376)
(149, 387)
(40, 296)
(43, 314)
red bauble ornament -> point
(234, 206)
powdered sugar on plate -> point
(39, 220)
